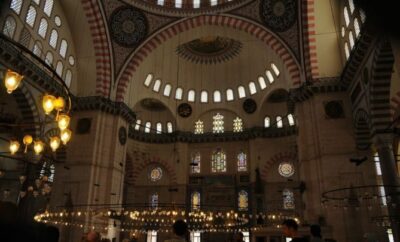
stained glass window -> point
(48, 7)
(198, 127)
(147, 127)
(356, 27)
(63, 48)
(267, 122)
(148, 79)
(288, 199)
(242, 161)
(195, 163)
(346, 16)
(169, 127)
(290, 119)
(204, 97)
(261, 82)
(167, 90)
(196, 3)
(275, 69)
(9, 27)
(43, 28)
(229, 95)
(37, 49)
(151, 236)
(191, 96)
(252, 88)
(237, 125)
(218, 161)
(68, 78)
(346, 50)
(154, 200)
(241, 92)
(157, 86)
(279, 122)
(155, 174)
(351, 5)
(59, 68)
(243, 201)
(16, 6)
(351, 39)
(195, 200)
(217, 96)
(138, 123)
(160, 2)
(218, 123)
(269, 76)
(158, 128)
(53, 38)
(178, 93)
(31, 16)
(49, 58)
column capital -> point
(383, 140)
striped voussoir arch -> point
(279, 157)
(382, 66)
(235, 22)
(101, 46)
(362, 131)
(27, 107)
(309, 41)
(138, 168)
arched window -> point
(270, 76)
(178, 93)
(343, 31)
(351, 5)
(218, 161)
(169, 127)
(37, 1)
(167, 90)
(378, 171)
(195, 163)
(31, 16)
(252, 88)
(196, 3)
(346, 16)
(356, 27)
(262, 83)
(195, 200)
(16, 6)
(68, 78)
(237, 125)
(218, 123)
(204, 96)
(363, 16)
(279, 122)
(160, 2)
(243, 201)
(49, 58)
(148, 80)
(137, 125)
(191, 96)
(151, 236)
(229, 95)
(242, 161)
(351, 39)
(63, 48)
(48, 7)
(213, 2)
(71, 60)
(159, 128)
(241, 92)
(346, 50)
(267, 122)
(9, 27)
(288, 199)
(147, 127)
(275, 69)
(53, 38)
(59, 68)
(290, 119)
(178, 3)
(154, 201)
(199, 127)
(157, 85)
(217, 96)
(43, 28)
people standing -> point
(181, 232)
(290, 227)
(315, 231)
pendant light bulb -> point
(48, 103)
(38, 146)
(14, 146)
(54, 143)
(12, 80)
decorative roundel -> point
(128, 26)
(249, 105)
(278, 15)
(286, 169)
(334, 109)
(122, 135)
(155, 174)
(184, 110)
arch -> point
(242, 24)
(99, 33)
(362, 132)
(382, 67)
(279, 157)
(309, 40)
(137, 169)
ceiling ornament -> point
(278, 15)
(249, 106)
(209, 50)
(184, 110)
(128, 26)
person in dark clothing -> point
(289, 227)
(315, 231)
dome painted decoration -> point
(209, 50)
(184, 110)
(128, 26)
(334, 109)
(278, 15)
(249, 106)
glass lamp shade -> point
(27, 141)
(59, 103)
(55, 143)
(38, 146)
(48, 103)
(12, 80)
(65, 136)
(63, 121)
(14, 146)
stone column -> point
(384, 147)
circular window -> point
(155, 174)
(71, 60)
(286, 169)
(57, 21)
